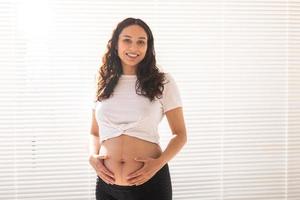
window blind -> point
(236, 64)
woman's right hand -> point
(97, 163)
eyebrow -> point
(131, 37)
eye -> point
(126, 40)
(141, 42)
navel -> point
(122, 161)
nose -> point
(133, 47)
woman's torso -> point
(122, 150)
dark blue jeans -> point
(159, 187)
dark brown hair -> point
(149, 79)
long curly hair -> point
(149, 81)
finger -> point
(136, 173)
(108, 173)
(104, 169)
(106, 179)
(134, 179)
(137, 180)
(141, 182)
(103, 179)
(135, 176)
(140, 159)
(105, 175)
(103, 157)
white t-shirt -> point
(126, 112)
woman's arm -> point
(95, 160)
(176, 122)
(177, 125)
(94, 145)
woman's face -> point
(132, 46)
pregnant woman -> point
(132, 97)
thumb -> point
(102, 157)
(140, 159)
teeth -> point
(132, 55)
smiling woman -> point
(132, 46)
(132, 98)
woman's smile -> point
(132, 47)
(131, 56)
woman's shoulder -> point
(163, 71)
(168, 77)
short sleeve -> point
(171, 97)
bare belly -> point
(122, 150)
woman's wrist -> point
(161, 160)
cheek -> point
(121, 51)
(144, 50)
(121, 47)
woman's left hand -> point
(151, 166)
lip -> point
(131, 58)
